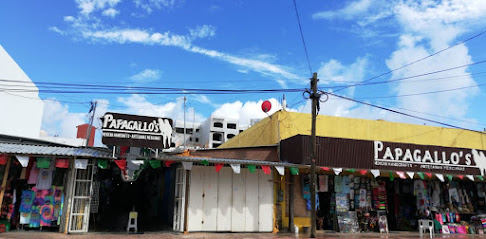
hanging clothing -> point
(338, 184)
(44, 179)
(323, 183)
(33, 174)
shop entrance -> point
(151, 195)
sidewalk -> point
(167, 235)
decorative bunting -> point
(78, 163)
(205, 162)
(103, 163)
(470, 177)
(23, 160)
(154, 163)
(266, 169)
(401, 175)
(363, 171)
(280, 170)
(46, 163)
(294, 170)
(392, 178)
(375, 172)
(62, 163)
(449, 177)
(351, 170)
(325, 168)
(421, 175)
(251, 168)
(429, 175)
(3, 159)
(337, 171)
(460, 176)
(410, 174)
(121, 163)
(236, 168)
(440, 177)
(480, 177)
(137, 162)
(187, 165)
(218, 166)
(168, 163)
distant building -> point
(193, 134)
(21, 110)
(216, 131)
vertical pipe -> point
(5, 178)
(186, 203)
(315, 98)
(291, 202)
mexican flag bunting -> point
(401, 175)
(266, 169)
(337, 171)
(410, 174)
(236, 168)
(168, 163)
(391, 176)
(470, 177)
(363, 171)
(218, 166)
(440, 177)
(449, 177)
(280, 170)
(205, 162)
(187, 165)
(421, 175)
(325, 168)
(294, 170)
(251, 168)
(375, 172)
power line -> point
(401, 113)
(302, 36)
(414, 62)
(423, 93)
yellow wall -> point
(285, 124)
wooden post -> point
(291, 202)
(5, 178)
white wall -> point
(21, 111)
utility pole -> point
(184, 123)
(314, 95)
(91, 119)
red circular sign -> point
(266, 106)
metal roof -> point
(25, 149)
(229, 161)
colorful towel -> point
(35, 217)
(24, 217)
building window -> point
(190, 139)
(189, 131)
(218, 125)
(197, 130)
(196, 140)
(217, 137)
(230, 136)
(180, 130)
(231, 126)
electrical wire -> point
(401, 113)
(413, 62)
(302, 36)
(423, 93)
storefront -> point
(382, 186)
(44, 187)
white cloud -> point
(110, 12)
(139, 105)
(203, 31)
(149, 5)
(58, 121)
(89, 6)
(334, 71)
(146, 75)
(245, 112)
(350, 11)
(57, 30)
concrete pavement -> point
(167, 235)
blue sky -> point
(251, 45)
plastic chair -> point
(132, 221)
(426, 225)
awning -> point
(38, 150)
(228, 161)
